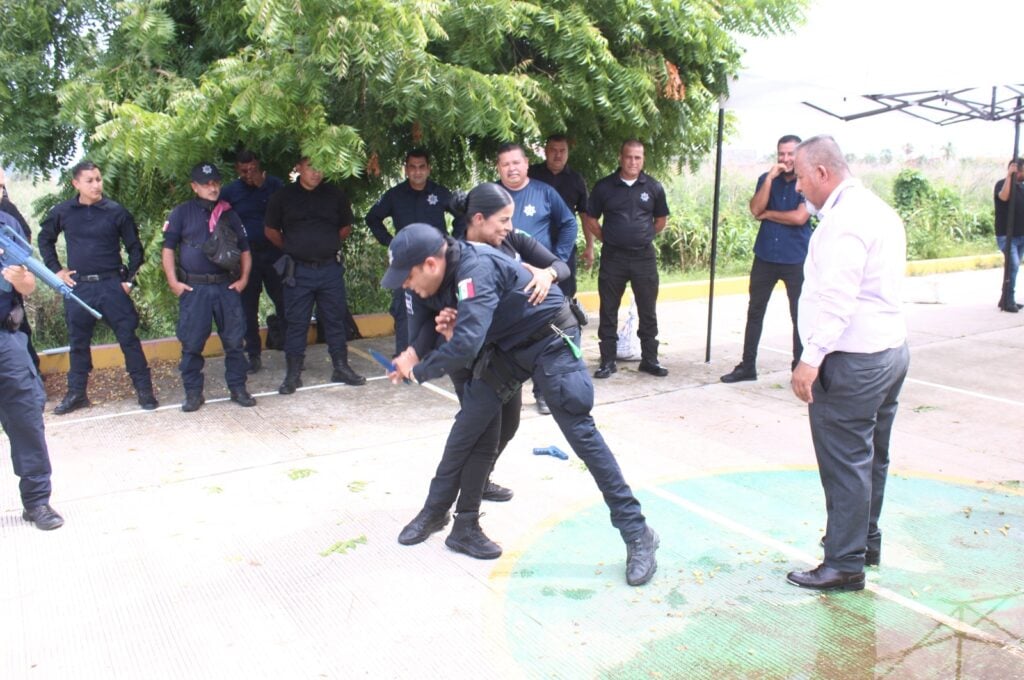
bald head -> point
(820, 167)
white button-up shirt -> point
(850, 300)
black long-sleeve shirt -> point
(93, 235)
(405, 205)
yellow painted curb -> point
(380, 325)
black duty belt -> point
(628, 250)
(564, 319)
(206, 279)
(316, 264)
(92, 278)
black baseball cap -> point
(204, 173)
(412, 245)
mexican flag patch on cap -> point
(466, 289)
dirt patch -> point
(113, 384)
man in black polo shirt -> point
(1012, 246)
(308, 220)
(417, 199)
(94, 228)
(249, 196)
(635, 211)
(571, 186)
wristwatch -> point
(554, 274)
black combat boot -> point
(426, 522)
(293, 374)
(467, 537)
(343, 373)
(72, 402)
(193, 400)
(147, 400)
(641, 562)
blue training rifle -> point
(16, 250)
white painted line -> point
(939, 386)
(799, 555)
(969, 393)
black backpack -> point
(221, 248)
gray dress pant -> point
(855, 400)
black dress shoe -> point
(740, 373)
(426, 522)
(827, 578)
(606, 369)
(640, 560)
(652, 367)
(497, 493)
(193, 400)
(1012, 308)
(147, 400)
(44, 517)
(542, 405)
(872, 558)
(242, 397)
(72, 402)
(255, 364)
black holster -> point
(500, 372)
(14, 319)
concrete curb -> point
(378, 325)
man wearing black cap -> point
(510, 340)
(94, 228)
(308, 220)
(207, 290)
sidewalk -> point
(260, 543)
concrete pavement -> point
(252, 543)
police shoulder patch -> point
(466, 290)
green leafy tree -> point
(150, 87)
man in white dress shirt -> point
(854, 357)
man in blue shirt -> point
(779, 253)
(417, 199)
(541, 213)
(248, 196)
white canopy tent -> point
(944, 64)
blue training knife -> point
(386, 363)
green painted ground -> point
(719, 606)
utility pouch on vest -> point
(499, 371)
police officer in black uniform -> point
(417, 199)
(7, 206)
(635, 211)
(308, 220)
(571, 186)
(249, 196)
(205, 290)
(523, 340)
(94, 228)
(22, 397)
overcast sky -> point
(857, 46)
